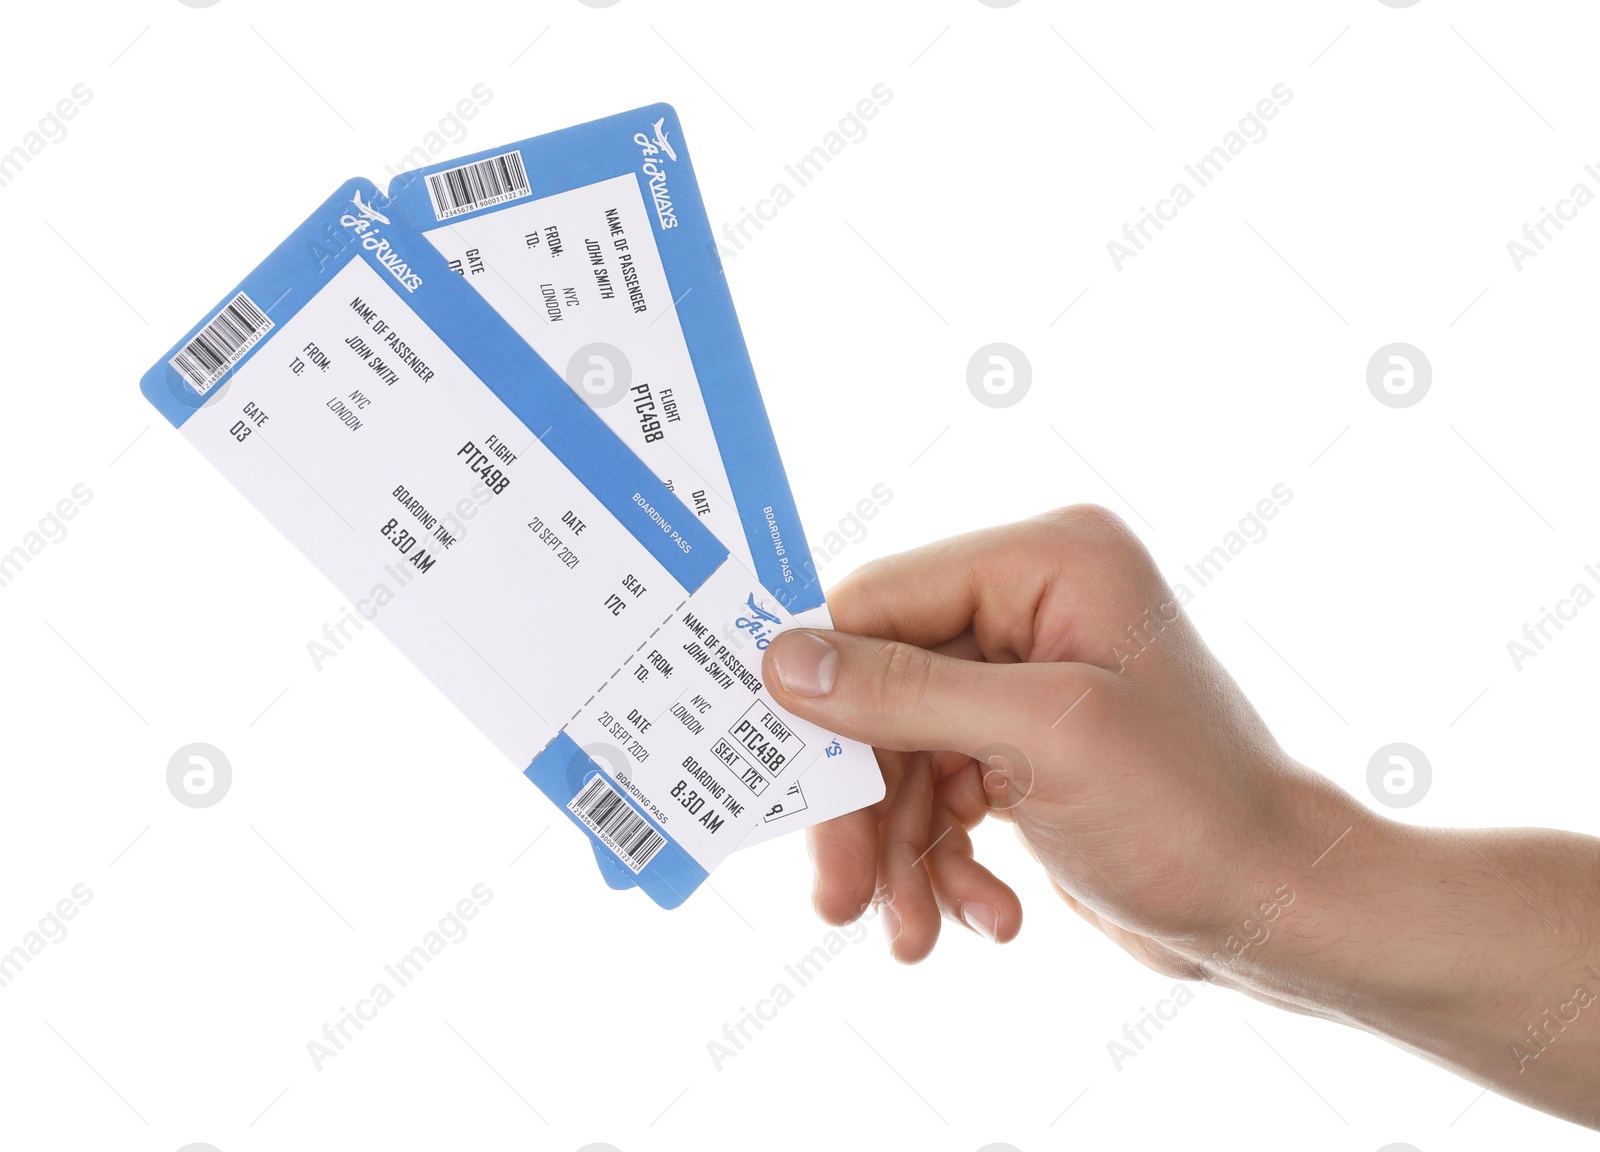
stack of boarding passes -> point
(505, 406)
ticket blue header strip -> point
(603, 149)
(315, 252)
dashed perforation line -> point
(620, 667)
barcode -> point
(221, 343)
(611, 818)
(482, 185)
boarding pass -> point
(594, 244)
(419, 453)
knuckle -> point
(1106, 537)
(1094, 523)
(906, 673)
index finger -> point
(1060, 586)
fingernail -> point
(982, 919)
(806, 663)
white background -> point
(1228, 357)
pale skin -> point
(1164, 813)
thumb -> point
(901, 697)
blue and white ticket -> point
(593, 242)
(419, 453)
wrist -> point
(1446, 939)
(1344, 948)
(1333, 895)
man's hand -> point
(1044, 673)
